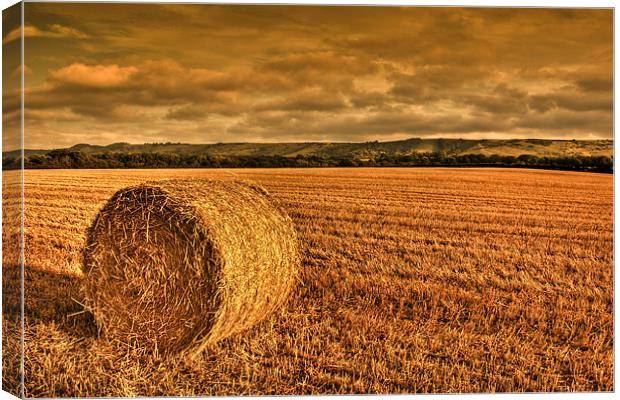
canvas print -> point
(207, 200)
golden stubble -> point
(411, 280)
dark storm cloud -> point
(305, 101)
(575, 100)
(564, 120)
(364, 99)
(595, 84)
(325, 69)
(500, 101)
(204, 73)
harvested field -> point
(412, 280)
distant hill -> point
(512, 147)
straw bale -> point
(177, 265)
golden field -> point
(412, 281)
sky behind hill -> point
(103, 73)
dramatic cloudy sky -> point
(103, 73)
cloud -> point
(191, 92)
(52, 31)
(368, 98)
(324, 69)
(499, 101)
(573, 98)
(285, 73)
(590, 122)
(595, 84)
(222, 104)
(56, 30)
(252, 102)
(95, 76)
(306, 100)
(380, 126)
(541, 103)
(101, 91)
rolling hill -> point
(513, 147)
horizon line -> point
(310, 142)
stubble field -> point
(412, 280)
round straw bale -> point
(177, 265)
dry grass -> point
(177, 265)
(412, 280)
(11, 282)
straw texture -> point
(178, 265)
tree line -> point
(75, 159)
